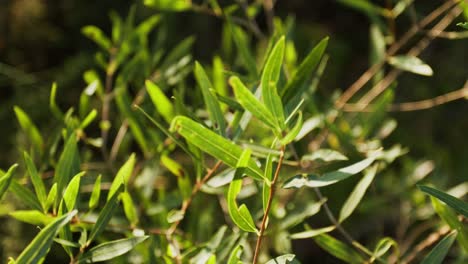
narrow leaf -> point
(160, 101)
(96, 34)
(110, 250)
(329, 178)
(411, 64)
(67, 166)
(25, 195)
(451, 219)
(358, 192)
(105, 215)
(6, 179)
(94, 199)
(213, 144)
(71, 192)
(438, 253)
(41, 244)
(129, 208)
(251, 104)
(457, 204)
(29, 128)
(312, 232)
(123, 175)
(270, 76)
(216, 115)
(291, 135)
(32, 217)
(305, 69)
(338, 249)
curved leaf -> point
(110, 250)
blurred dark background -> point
(41, 42)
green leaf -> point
(6, 179)
(96, 35)
(251, 104)
(383, 246)
(284, 259)
(338, 249)
(240, 215)
(213, 144)
(32, 217)
(25, 195)
(122, 98)
(219, 81)
(51, 197)
(439, 252)
(105, 215)
(110, 250)
(324, 155)
(71, 192)
(94, 199)
(328, 178)
(67, 166)
(300, 213)
(88, 119)
(358, 192)
(365, 6)
(463, 25)
(411, 64)
(129, 208)
(160, 101)
(312, 232)
(53, 103)
(169, 5)
(243, 48)
(304, 71)
(451, 219)
(122, 177)
(234, 257)
(291, 135)
(457, 204)
(29, 128)
(216, 115)
(41, 244)
(270, 76)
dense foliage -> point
(166, 159)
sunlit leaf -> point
(71, 192)
(41, 244)
(358, 192)
(123, 175)
(304, 71)
(213, 144)
(234, 257)
(284, 259)
(29, 128)
(96, 35)
(269, 80)
(67, 166)
(292, 134)
(110, 250)
(32, 217)
(311, 180)
(6, 179)
(160, 101)
(463, 25)
(170, 5)
(95, 194)
(338, 249)
(245, 97)
(129, 208)
(312, 232)
(216, 115)
(411, 64)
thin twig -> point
(268, 206)
(366, 76)
(416, 105)
(414, 52)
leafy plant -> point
(246, 133)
